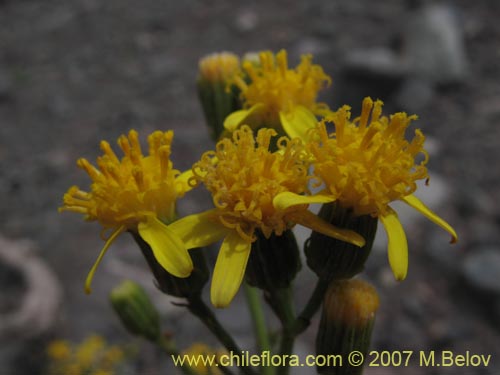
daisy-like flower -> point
(137, 193)
(367, 163)
(279, 97)
(253, 189)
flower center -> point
(125, 191)
(281, 89)
(244, 177)
(368, 163)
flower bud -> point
(346, 325)
(332, 259)
(135, 310)
(218, 98)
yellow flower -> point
(367, 163)
(203, 359)
(59, 350)
(91, 356)
(279, 97)
(137, 193)
(252, 189)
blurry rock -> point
(310, 45)
(414, 95)
(444, 256)
(433, 44)
(376, 72)
(482, 269)
(430, 52)
(28, 282)
(247, 20)
(379, 61)
(39, 305)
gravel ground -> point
(77, 71)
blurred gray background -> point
(74, 72)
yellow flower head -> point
(219, 67)
(202, 359)
(279, 97)
(244, 177)
(92, 356)
(253, 189)
(137, 193)
(59, 350)
(367, 163)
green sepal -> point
(274, 261)
(176, 286)
(332, 259)
(217, 101)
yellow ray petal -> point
(297, 122)
(198, 230)
(238, 118)
(418, 205)
(108, 243)
(287, 199)
(229, 269)
(310, 220)
(397, 244)
(167, 247)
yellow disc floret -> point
(124, 192)
(367, 163)
(275, 96)
(244, 177)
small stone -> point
(379, 62)
(433, 44)
(310, 45)
(482, 268)
(246, 21)
(414, 95)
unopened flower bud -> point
(217, 96)
(135, 310)
(347, 320)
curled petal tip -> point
(400, 277)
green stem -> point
(197, 307)
(259, 323)
(283, 306)
(304, 319)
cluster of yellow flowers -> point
(93, 356)
(260, 173)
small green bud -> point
(273, 261)
(346, 325)
(135, 310)
(217, 96)
(332, 259)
